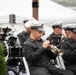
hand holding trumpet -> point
(54, 49)
(46, 44)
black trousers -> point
(72, 68)
(50, 70)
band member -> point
(69, 47)
(66, 33)
(24, 35)
(66, 30)
(38, 54)
(55, 37)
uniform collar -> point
(25, 32)
(71, 40)
(56, 35)
(32, 40)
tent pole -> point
(35, 6)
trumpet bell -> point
(61, 53)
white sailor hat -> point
(57, 24)
(30, 23)
(38, 26)
(72, 28)
(66, 27)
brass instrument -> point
(59, 59)
(54, 49)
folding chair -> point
(26, 65)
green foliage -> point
(3, 67)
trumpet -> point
(54, 49)
(59, 59)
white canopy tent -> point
(49, 11)
(21, 8)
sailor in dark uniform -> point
(69, 47)
(66, 33)
(55, 37)
(38, 54)
(23, 36)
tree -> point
(3, 67)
